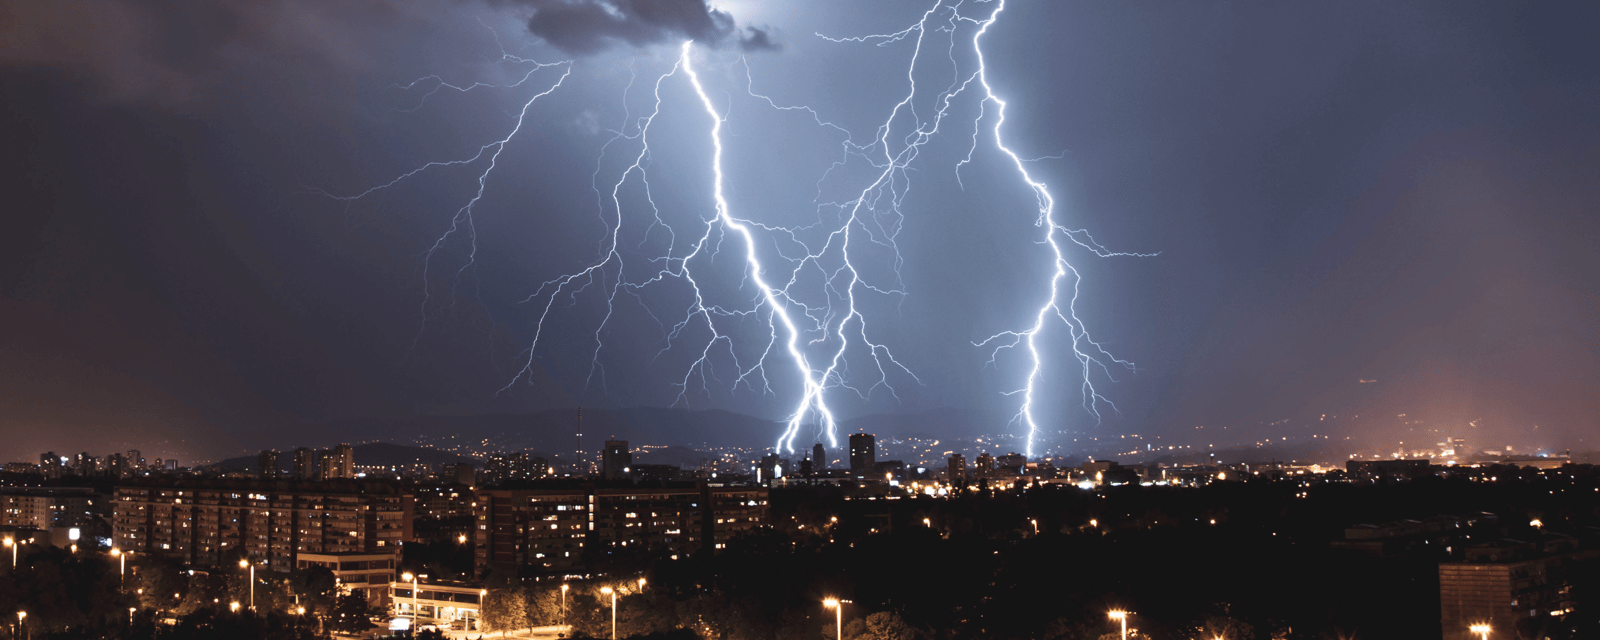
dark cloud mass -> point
(588, 26)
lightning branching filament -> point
(1089, 354)
(798, 325)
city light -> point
(246, 564)
(613, 593)
(838, 616)
(1120, 616)
(1482, 630)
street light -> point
(613, 593)
(1481, 629)
(233, 606)
(13, 545)
(838, 616)
(416, 613)
(563, 603)
(1035, 526)
(1122, 616)
(122, 560)
(130, 615)
(246, 564)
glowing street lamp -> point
(416, 613)
(13, 544)
(130, 615)
(1482, 630)
(1035, 526)
(122, 561)
(246, 564)
(563, 603)
(22, 615)
(1121, 616)
(838, 616)
(613, 594)
(233, 606)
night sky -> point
(1402, 193)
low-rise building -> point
(359, 573)
(452, 605)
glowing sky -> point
(1396, 192)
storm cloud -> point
(590, 26)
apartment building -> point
(206, 522)
(554, 529)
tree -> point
(543, 606)
(350, 614)
(504, 609)
(883, 625)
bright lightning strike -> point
(1088, 352)
(807, 280)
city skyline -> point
(1381, 221)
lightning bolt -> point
(806, 280)
(462, 222)
(1088, 353)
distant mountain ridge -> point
(555, 431)
(371, 453)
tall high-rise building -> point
(580, 459)
(956, 468)
(86, 465)
(338, 462)
(983, 467)
(52, 465)
(519, 465)
(1012, 462)
(136, 459)
(344, 460)
(497, 468)
(819, 457)
(305, 465)
(267, 463)
(863, 454)
(117, 466)
(615, 460)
